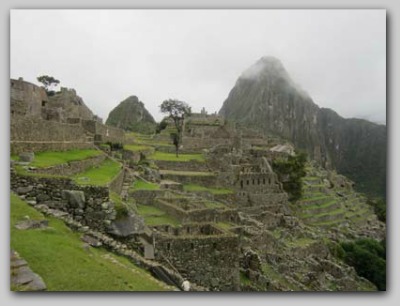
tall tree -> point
(48, 82)
(177, 111)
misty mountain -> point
(266, 98)
(131, 115)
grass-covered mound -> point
(180, 158)
(100, 175)
(58, 256)
(50, 158)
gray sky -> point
(337, 56)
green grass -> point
(271, 273)
(137, 147)
(154, 216)
(316, 206)
(186, 173)
(162, 156)
(224, 225)
(142, 185)
(211, 204)
(100, 175)
(57, 255)
(301, 242)
(47, 159)
(119, 205)
(194, 188)
(244, 280)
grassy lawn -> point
(210, 204)
(142, 185)
(186, 173)
(172, 157)
(194, 188)
(100, 175)
(154, 216)
(57, 255)
(137, 147)
(47, 159)
(224, 225)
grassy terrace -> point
(100, 175)
(142, 185)
(186, 173)
(172, 157)
(154, 216)
(194, 188)
(81, 270)
(138, 147)
(47, 159)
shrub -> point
(290, 171)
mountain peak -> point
(266, 66)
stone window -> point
(248, 182)
(192, 246)
(264, 181)
(168, 246)
(214, 245)
(269, 181)
(241, 184)
(253, 181)
(44, 103)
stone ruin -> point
(59, 122)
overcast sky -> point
(337, 56)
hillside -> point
(131, 115)
(266, 98)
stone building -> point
(202, 253)
(57, 123)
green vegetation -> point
(224, 225)
(49, 158)
(142, 185)
(100, 175)
(120, 207)
(212, 204)
(290, 172)
(178, 111)
(172, 157)
(154, 216)
(186, 173)
(368, 257)
(244, 280)
(194, 188)
(138, 148)
(379, 206)
(57, 255)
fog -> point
(337, 56)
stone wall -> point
(31, 134)
(72, 167)
(196, 144)
(89, 205)
(182, 166)
(27, 99)
(204, 180)
(116, 184)
(197, 215)
(206, 258)
(103, 133)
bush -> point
(379, 206)
(368, 257)
(290, 171)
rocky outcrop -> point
(266, 98)
(131, 115)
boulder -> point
(27, 157)
(75, 198)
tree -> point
(48, 83)
(290, 171)
(177, 111)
